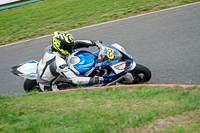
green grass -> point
(193, 127)
(95, 111)
(48, 16)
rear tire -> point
(30, 85)
(141, 74)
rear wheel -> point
(141, 74)
(30, 85)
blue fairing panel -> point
(87, 61)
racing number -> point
(110, 53)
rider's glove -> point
(96, 80)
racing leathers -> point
(53, 66)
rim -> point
(138, 77)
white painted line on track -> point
(140, 15)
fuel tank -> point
(81, 62)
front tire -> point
(30, 85)
(141, 74)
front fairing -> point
(122, 50)
(118, 67)
(118, 59)
(114, 58)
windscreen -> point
(107, 53)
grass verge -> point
(48, 16)
(95, 111)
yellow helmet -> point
(63, 42)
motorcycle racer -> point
(53, 64)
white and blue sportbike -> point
(112, 62)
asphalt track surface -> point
(167, 42)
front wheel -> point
(30, 85)
(141, 74)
